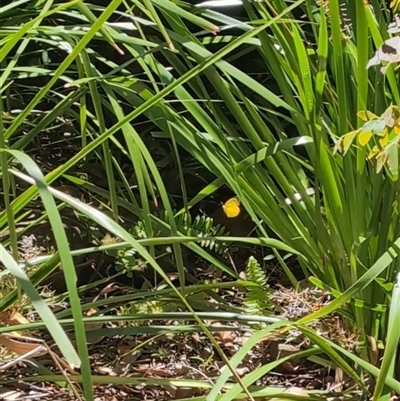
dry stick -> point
(57, 361)
(21, 358)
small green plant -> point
(203, 226)
(257, 298)
(126, 259)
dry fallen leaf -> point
(225, 338)
(183, 392)
(278, 350)
(92, 337)
(11, 317)
(294, 391)
(22, 348)
(339, 375)
(10, 394)
(105, 370)
(374, 351)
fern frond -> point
(202, 227)
(257, 298)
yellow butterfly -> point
(231, 207)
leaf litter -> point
(190, 356)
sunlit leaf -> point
(390, 116)
(366, 115)
(381, 160)
(392, 159)
(394, 5)
(364, 137)
(374, 151)
(384, 141)
(376, 126)
(383, 133)
(343, 144)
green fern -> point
(153, 306)
(257, 300)
(202, 226)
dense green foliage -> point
(151, 109)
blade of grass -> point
(68, 269)
(392, 342)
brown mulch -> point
(191, 356)
(49, 392)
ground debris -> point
(297, 304)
